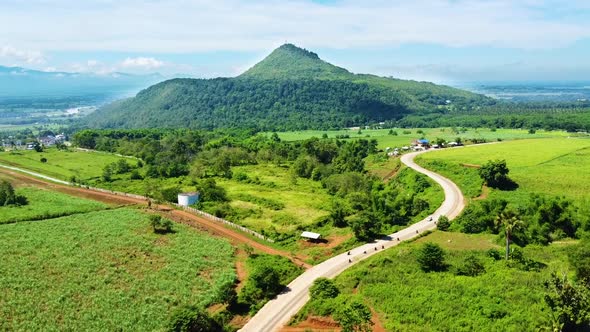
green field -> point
(61, 164)
(406, 136)
(502, 299)
(105, 271)
(553, 166)
(44, 204)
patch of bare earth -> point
(485, 191)
(314, 323)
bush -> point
(9, 197)
(323, 288)
(443, 223)
(472, 266)
(431, 257)
(192, 319)
(160, 225)
(135, 175)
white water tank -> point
(186, 199)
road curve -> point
(277, 312)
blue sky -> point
(436, 40)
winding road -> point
(277, 312)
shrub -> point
(443, 223)
(495, 254)
(160, 225)
(431, 257)
(9, 197)
(324, 288)
(192, 319)
(472, 266)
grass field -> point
(407, 299)
(553, 166)
(44, 204)
(105, 271)
(61, 164)
(406, 136)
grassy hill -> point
(290, 89)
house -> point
(47, 140)
(187, 199)
(311, 236)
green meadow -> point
(45, 204)
(404, 136)
(62, 164)
(105, 271)
(555, 166)
(503, 298)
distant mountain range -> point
(292, 88)
(17, 82)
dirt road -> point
(182, 216)
(279, 311)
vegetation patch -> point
(475, 291)
(44, 204)
(106, 270)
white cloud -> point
(22, 56)
(142, 63)
(181, 26)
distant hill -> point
(292, 88)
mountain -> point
(17, 82)
(292, 88)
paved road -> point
(277, 312)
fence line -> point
(186, 208)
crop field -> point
(105, 270)
(61, 164)
(552, 166)
(503, 298)
(44, 204)
(304, 200)
(406, 136)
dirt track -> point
(181, 216)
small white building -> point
(186, 199)
(311, 236)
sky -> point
(444, 41)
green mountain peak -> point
(289, 61)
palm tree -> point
(511, 222)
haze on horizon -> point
(440, 41)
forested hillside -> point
(290, 89)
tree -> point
(495, 173)
(37, 147)
(323, 288)
(192, 319)
(159, 224)
(431, 257)
(107, 173)
(263, 283)
(579, 258)
(354, 317)
(511, 222)
(365, 225)
(8, 195)
(569, 303)
(443, 223)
